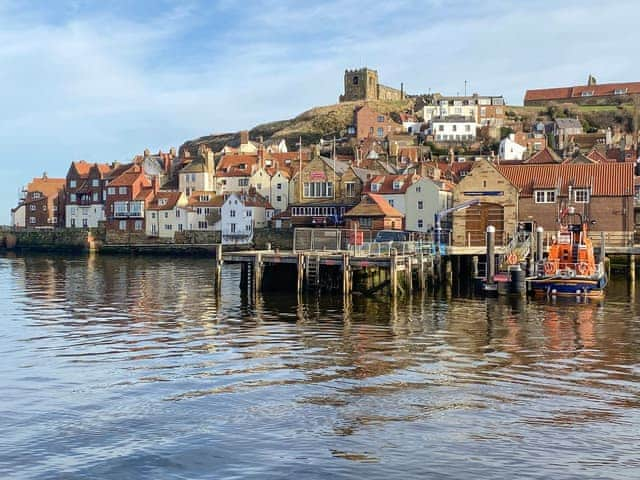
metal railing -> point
(386, 249)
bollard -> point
(491, 245)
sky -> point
(103, 80)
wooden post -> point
(448, 270)
(421, 278)
(632, 268)
(244, 276)
(300, 266)
(408, 273)
(257, 273)
(218, 270)
(474, 260)
(346, 277)
(393, 272)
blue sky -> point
(102, 81)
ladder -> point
(313, 271)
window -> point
(390, 202)
(279, 186)
(95, 182)
(581, 195)
(418, 189)
(44, 208)
(179, 227)
(54, 220)
(420, 204)
(32, 207)
(72, 184)
(365, 222)
(111, 190)
(32, 219)
(138, 225)
(232, 213)
(193, 177)
(168, 226)
(122, 190)
(318, 189)
(397, 184)
(243, 182)
(166, 214)
(122, 225)
(587, 93)
(454, 128)
(380, 131)
(350, 189)
(420, 223)
(483, 111)
(232, 227)
(467, 128)
(163, 201)
(248, 214)
(85, 222)
(355, 80)
(72, 198)
(72, 211)
(545, 196)
(35, 195)
(620, 91)
(121, 209)
(202, 225)
(96, 196)
(441, 128)
(153, 215)
(177, 213)
(380, 118)
(247, 227)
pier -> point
(322, 260)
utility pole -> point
(300, 169)
(333, 154)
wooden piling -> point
(632, 268)
(218, 269)
(346, 277)
(408, 273)
(393, 273)
(421, 274)
(257, 273)
(300, 276)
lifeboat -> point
(571, 268)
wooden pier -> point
(399, 267)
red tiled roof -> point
(128, 177)
(543, 157)
(373, 205)
(230, 165)
(604, 179)
(386, 184)
(214, 200)
(564, 93)
(82, 167)
(170, 197)
(48, 187)
(596, 156)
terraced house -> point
(42, 204)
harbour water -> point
(129, 368)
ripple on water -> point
(124, 367)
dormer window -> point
(587, 93)
(242, 166)
(375, 187)
(581, 195)
(620, 91)
(397, 184)
(162, 201)
(203, 198)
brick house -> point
(369, 123)
(42, 205)
(127, 197)
(534, 195)
(590, 94)
(374, 213)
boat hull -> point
(571, 287)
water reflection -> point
(122, 367)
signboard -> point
(317, 175)
(488, 193)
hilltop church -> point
(363, 84)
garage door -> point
(478, 218)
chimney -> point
(147, 152)
(155, 184)
(244, 137)
(172, 151)
(401, 90)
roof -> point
(373, 205)
(386, 183)
(128, 177)
(340, 167)
(253, 199)
(196, 166)
(236, 165)
(563, 93)
(545, 156)
(214, 200)
(568, 123)
(604, 179)
(48, 187)
(170, 198)
(596, 156)
(82, 167)
(363, 174)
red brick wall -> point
(367, 119)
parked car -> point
(392, 236)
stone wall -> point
(388, 94)
(193, 237)
(278, 238)
(63, 239)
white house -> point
(197, 175)
(417, 198)
(453, 129)
(165, 214)
(241, 215)
(203, 211)
(19, 217)
(279, 197)
(509, 149)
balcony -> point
(128, 210)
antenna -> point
(465, 87)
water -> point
(128, 368)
